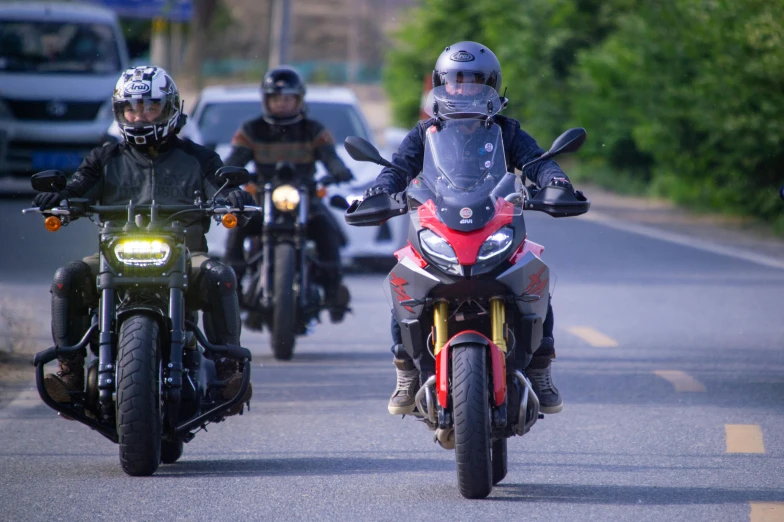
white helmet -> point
(146, 105)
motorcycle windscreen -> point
(465, 166)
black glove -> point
(342, 176)
(563, 183)
(239, 198)
(376, 189)
(47, 200)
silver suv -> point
(58, 66)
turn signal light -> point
(229, 220)
(321, 192)
(53, 223)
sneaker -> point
(229, 370)
(402, 400)
(542, 381)
(69, 379)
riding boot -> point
(69, 379)
(539, 373)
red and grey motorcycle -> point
(470, 291)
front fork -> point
(441, 337)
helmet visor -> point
(463, 82)
(145, 111)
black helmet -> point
(467, 62)
(147, 88)
(282, 80)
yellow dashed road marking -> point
(744, 438)
(767, 512)
(592, 337)
(682, 381)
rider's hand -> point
(563, 183)
(342, 176)
(47, 200)
(374, 190)
(239, 198)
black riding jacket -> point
(301, 144)
(116, 173)
(519, 148)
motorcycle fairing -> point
(497, 358)
(529, 281)
(408, 280)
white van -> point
(59, 63)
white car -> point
(221, 110)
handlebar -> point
(104, 209)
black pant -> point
(320, 229)
(545, 349)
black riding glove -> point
(47, 200)
(376, 189)
(238, 198)
(342, 176)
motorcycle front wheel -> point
(139, 395)
(284, 315)
(471, 406)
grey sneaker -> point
(542, 381)
(402, 400)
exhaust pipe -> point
(425, 403)
(521, 428)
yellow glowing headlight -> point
(285, 198)
(142, 252)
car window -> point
(219, 121)
(57, 47)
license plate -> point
(57, 160)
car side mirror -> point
(235, 176)
(48, 181)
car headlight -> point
(440, 252)
(142, 252)
(285, 198)
(494, 246)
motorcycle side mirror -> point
(48, 181)
(234, 176)
(284, 169)
(339, 202)
(362, 150)
(569, 141)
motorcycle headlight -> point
(142, 252)
(285, 198)
(440, 252)
(494, 246)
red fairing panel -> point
(498, 363)
(466, 244)
(525, 247)
(410, 252)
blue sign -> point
(173, 10)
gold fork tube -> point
(498, 322)
(440, 316)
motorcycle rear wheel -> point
(471, 406)
(284, 316)
(139, 395)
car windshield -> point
(57, 47)
(220, 120)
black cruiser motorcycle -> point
(153, 384)
(280, 289)
(470, 291)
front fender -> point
(497, 357)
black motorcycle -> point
(153, 384)
(281, 288)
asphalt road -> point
(670, 363)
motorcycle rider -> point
(284, 133)
(150, 163)
(465, 68)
